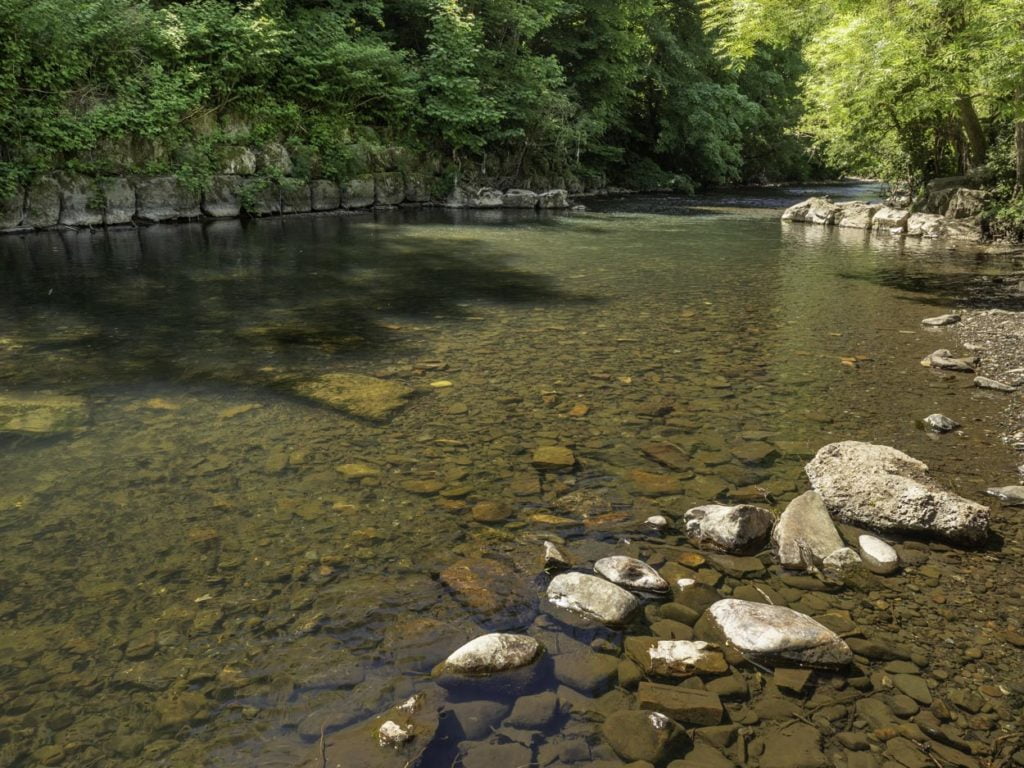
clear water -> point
(189, 580)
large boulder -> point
(890, 220)
(475, 197)
(165, 198)
(882, 488)
(966, 203)
(856, 215)
(928, 225)
(389, 188)
(734, 530)
(42, 203)
(325, 195)
(553, 198)
(805, 534)
(81, 202)
(239, 161)
(520, 198)
(261, 197)
(631, 573)
(12, 210)
(365, 397)
(222, 197)
(938, 193)
(295, 197)
(814, 210)
(274, 160)
(358, 193)
(773, 635)
(118, 201)
(593, 597)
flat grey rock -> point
(593, 597)
(941, 320)
(774, 635)
(982, 382)
(885, 489)
(630, 573)
(1010, 495)
(805, 534)
(733, 530)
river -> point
(191, 577)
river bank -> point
(297, 549)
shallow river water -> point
(211, 570)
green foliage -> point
(516, 90)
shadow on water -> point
(950, 287)
(217, 302)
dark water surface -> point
(189, 580)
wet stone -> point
(737, 567)
(1010, 495)
(477, 719)
(773, 635)
(364, 397)
(589, 673)
(794, 746)
(631, 573)
(553, 458)
(689, 707)
(593, 597)
(491, 755)
(732, 530)
(936, 422)
(675, 658)
(533, 712)
(914, 687)
(652, 484)
(649, 736)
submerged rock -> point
(939, 423)
(940, 320)
(773, 634)
(734, 530)
(365, 397)
(805, 534)
(885, 489)
(496, 592)
(553, 458)
(651, 737)
(554, 558)
(631, 573)
(685, 705)
(676, 658)
(394, 739)
(41, 415)
(1010, 495)
(943, 359)
(593, 597)
(878, 556)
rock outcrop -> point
(882, 488)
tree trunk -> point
(974, 130)
(1018, 141)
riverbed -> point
(196, 574)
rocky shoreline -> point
(727, 636)
(70, 201)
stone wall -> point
(959, 220)
(68, 200)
